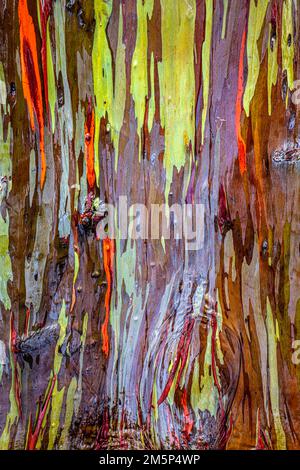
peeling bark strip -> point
(142, 344)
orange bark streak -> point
(108, 260)
(89, 129)
(31, 80)
(238, 110)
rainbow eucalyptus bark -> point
(143, 344)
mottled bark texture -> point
(142, 344)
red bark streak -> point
(27, 319)
(89, 129)
(146, 137)
(33, 436)
(190, 196)
(213, 352)
(188, 421)
(260, 443)
(181, 357)
(224, 219)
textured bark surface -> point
(142, 344)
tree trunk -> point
(118, 343)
